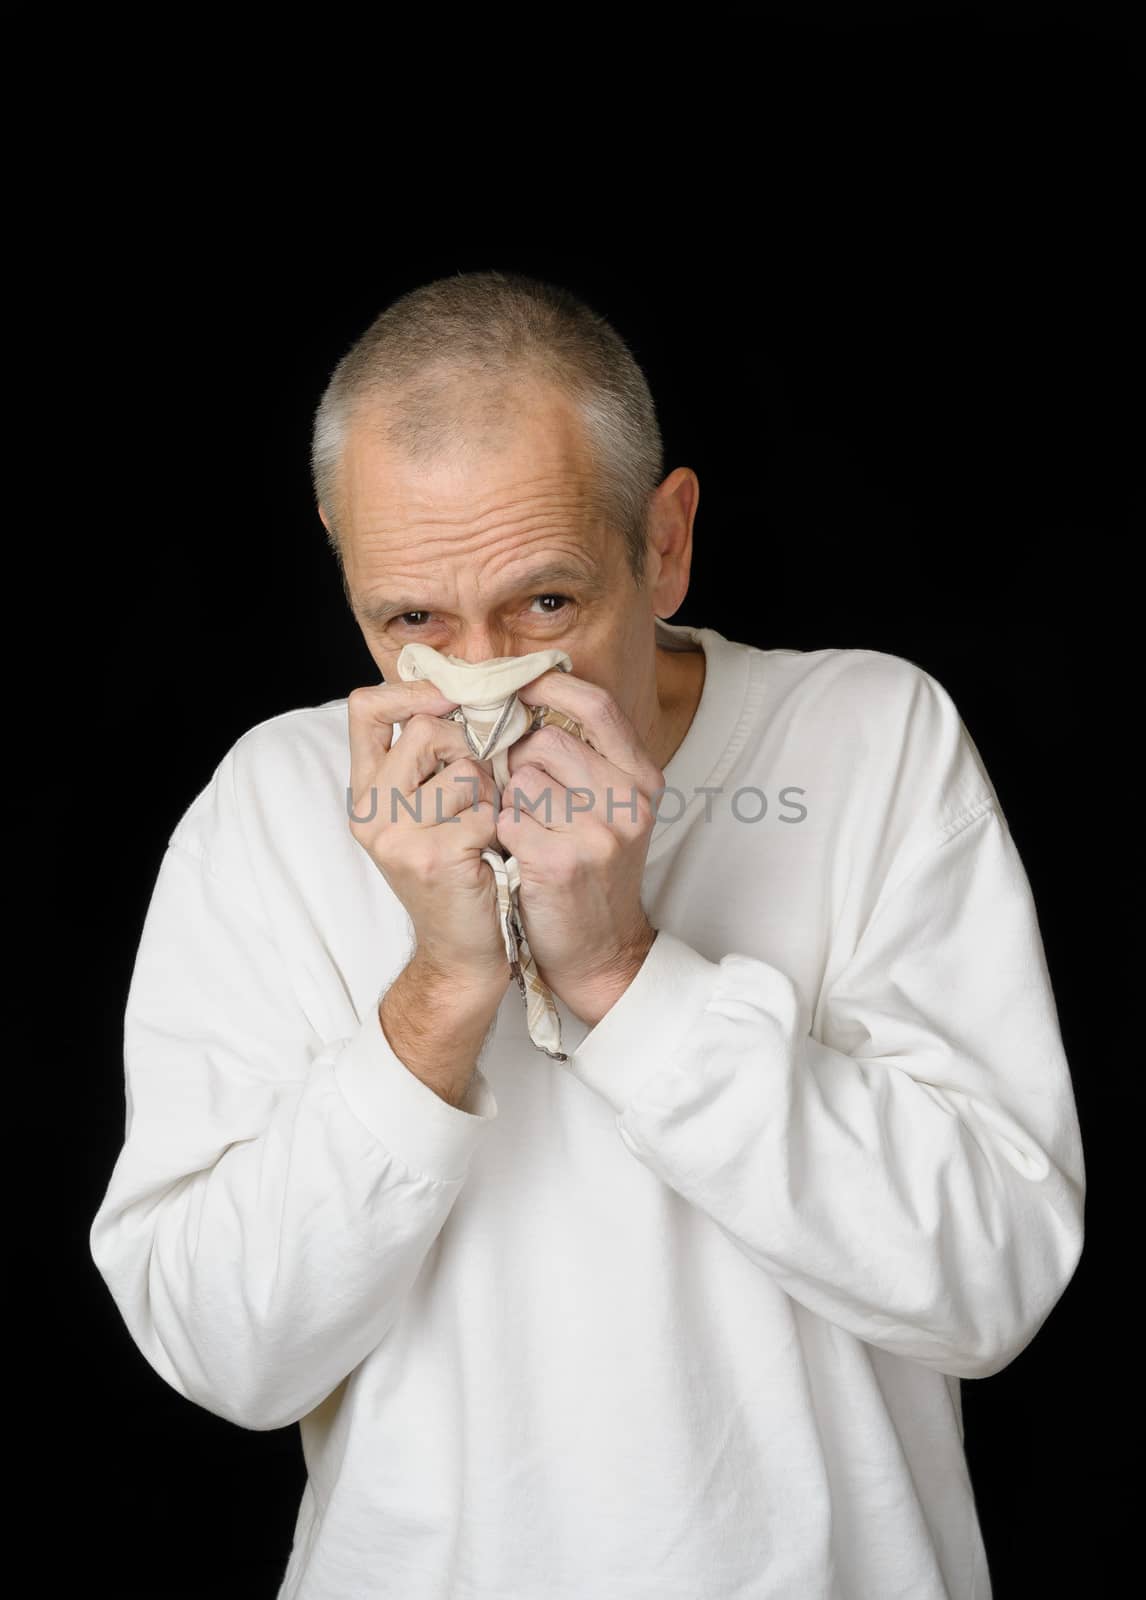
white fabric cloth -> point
(494, 719)
(686, 1316)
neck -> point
(680, 680)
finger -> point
(570, 760)
(475, 827)
(461, 787)
(606, 727)
(550, 853)
(373, 711)
(588, 785)
(533, 793)
(425, 743)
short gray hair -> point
(485, 329)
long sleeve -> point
(276, 1195)
(913, 1170)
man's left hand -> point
(580, 827)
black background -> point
(879, 272)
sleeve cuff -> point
(643, 1030)
(403, 1113)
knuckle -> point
(360, 703)
(551, 738)
(604, 846)
(420, 725)
(605, 708)
(384, 841)
(465, 767)
(418, 858)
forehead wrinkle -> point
(569, 561)
(577, 502)
(566, 565)
(490, 546)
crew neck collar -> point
(710, 743)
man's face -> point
(494, 551)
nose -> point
(477, 647)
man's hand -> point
(582, 855)
(432, 859)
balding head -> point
(452, 368)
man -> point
(683, 1315)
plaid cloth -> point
(493, 719)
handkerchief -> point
(493, 718)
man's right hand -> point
(432, 859)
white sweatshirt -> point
(683, 1318)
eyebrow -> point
(379, 610)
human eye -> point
(563, 603)
(404, 618)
